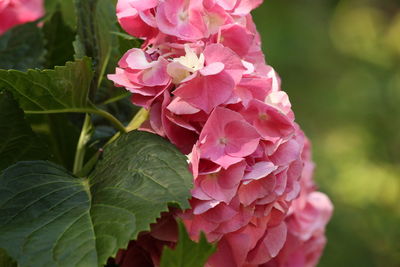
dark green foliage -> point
(22, 48)
(44, 216)
(5, 260)
(59, 38)
(50, 218)
(139, 174)
(17, 140)
(187, 253)
(47, 91)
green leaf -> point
(140, 173)
(63, 89)
(96, 19)
(68, 12)
(126, 41)
(107, 23)
(22, 48)
(5, 260)
(62, 136)
(17, 140)
(59, 38)
(44, 216)
(187, 252)
(67, 9)
(49, 218)
(50, 5)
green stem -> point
(111, 119)
(115, 98)
(81, 146)
(89, 165)
(134, 124)
(117, 124)
(140, 117)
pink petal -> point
(259, 170)
(207, 92)
(270, 246)
(212, 69)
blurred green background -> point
(340, 64)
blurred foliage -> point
(340, 64)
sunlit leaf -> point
(49, 91)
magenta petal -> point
(259, 170)
(286, 153)
(204, 206)
(212, 69)
(270, 245)
(233, 64)
(223, 185)
(242, 138)
(207, 92)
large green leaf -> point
(22, 48)
(59, 38)
(187, 253)
(17, 140)
(139, 174)
(63, 89)
(5, 260)
(44, 216)
(47, 219)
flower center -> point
(188, 64)
(183, 15)
(263, 116)
(191, 60)
(223, 140)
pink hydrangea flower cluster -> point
(306, 221)
(202, 75)
(15, 12)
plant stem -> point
(81, 146)
(134, 124)
(137, 120)
(89, 165)
(111, 119)
(117, 124)
(115, 98)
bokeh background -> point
(340, 64)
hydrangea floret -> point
(15, 12)
(202, 75)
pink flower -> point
(143, 74)
(237, 38)
(269, 121)
(221, 185)
(135, 17)
(203, 77)
(227, 138)
(306, 221)
(245, 6)
(15, 12)
(213, 84)
(182, 18)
